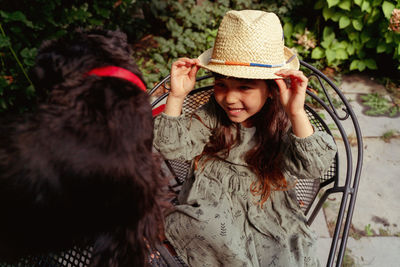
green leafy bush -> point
(345, 34)
(25, 24)
(357, 33)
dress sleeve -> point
(310, 157)
(183, 138)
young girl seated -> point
(248, 146)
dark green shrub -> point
(25, 24)
(357, 33)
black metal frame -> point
(350, 187)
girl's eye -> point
(245, 87)
(219, 84)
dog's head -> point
(81, 168)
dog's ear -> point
(57, 62)
(65, 61)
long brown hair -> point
(264, 159)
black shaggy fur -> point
(80, 170)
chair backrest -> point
(78, 257)
(311, 193)
(82, 257)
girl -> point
(248, 146)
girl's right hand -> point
(183, 77)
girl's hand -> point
(292, 100)
(183, 77)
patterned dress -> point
(218, 221)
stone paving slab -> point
(323, 247)
(371, 126)
(378, 199)
(319, 225)
(377, 209)
(360, 84)
(367, 251)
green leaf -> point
(326, 44)
(317, 53)
(353, 36)
(328, 33)
(350, 49)
(337, 16)
(288, 30)
(104, 12)
(354, 64)
(96, 22)
(361, 65)
(387, 8)
(330, 55)
(388, 37)
(381, 48)
(398, 49)
(358, 2)
(4, 41)
(158, 58)
(344, 22)
(29, 56)
(370, 63)
(361, 52)
(300, 27)
(357, 24)
(332, 3)
(365, 36)
(346, 5)
(16, 16)
(375, 15)
(376, 3)
(180, 49)
(327, 13)
(189, 43)
(366, 6)
(320, 4)
(343, 44)
(341, 54)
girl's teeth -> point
(235, 110)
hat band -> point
(250, 64)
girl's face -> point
(240, 98)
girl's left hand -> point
(292, 98)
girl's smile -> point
(235, 111)
(240, 98)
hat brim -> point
(247, 72)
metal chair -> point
(307, 191)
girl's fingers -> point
(281, 84)
(186, 65)
(292, 74)
(297, 77)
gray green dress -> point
(218, 221)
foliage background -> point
(343, 35)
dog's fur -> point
(80, 170)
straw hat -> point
(249, 44)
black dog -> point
(80, 170)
